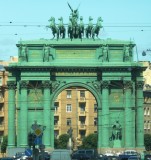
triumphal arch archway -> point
(104, 67)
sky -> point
(122, 20)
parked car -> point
(85, 154)
(60, 154)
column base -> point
(117, 143)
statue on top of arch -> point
(75, 29)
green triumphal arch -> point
(104, 67)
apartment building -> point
(76, 108)
(147, 99)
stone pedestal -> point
(117, 143)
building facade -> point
(103, 67)
(75, 108)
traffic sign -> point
(28, 152)
(38, 140)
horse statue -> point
(96, 29)
(88, 30)
(55, 30)
(81, 28)
(62, 29)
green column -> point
(139, 115)
(99, 128)
(23, 114)
(105, 114)
(128, 114)
(47, 115)
(11, 114)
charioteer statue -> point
(74, 29)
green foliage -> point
(56, 143)
(90, 142)
(4, 144)
(62, 141)
(147, 142)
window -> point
(82, 94)
(56, 105)
(68, 93)
(95, 121)
(68, 121)
(1, 81)
(82, 107)
(95, 107)
(68, 108)
(56, 121)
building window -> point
(145, 112)
(68, 93)
(95, 107)
(1, 81)
(148, 125)
(56, 120)
(82, 107)
(95, 121)
(56, 105)
(68, 121)
(148, 112)
(82, 94)
(68, 108)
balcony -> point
(56, 127)
(56, 113)
(82, 99)
(82, 127)
(1, 113)
(1, 127)
(82, 113)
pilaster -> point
(11, 113)
(47, 122)
(23, 129)
(128, 114)
(139, 115)
(105, 114)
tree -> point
(147, 141)
(4, 144)
(90, 142)
(63, 141)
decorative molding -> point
(97, 85)
(105, 84)
(128, 84)
(46, 84)
(139, 85)
(11, 85)
(24, 84)
(55, 85)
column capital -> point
(128, 84)
(139, 84)
(46, 84)
(23, 84)
(11, 85)
(105, 84)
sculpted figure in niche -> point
(105, 54)
(47, 54)
(126, 53)
(23, 54)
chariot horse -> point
(54, 28)
(96, 28)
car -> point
(7, 158)
(134, 158)
(85, 154)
